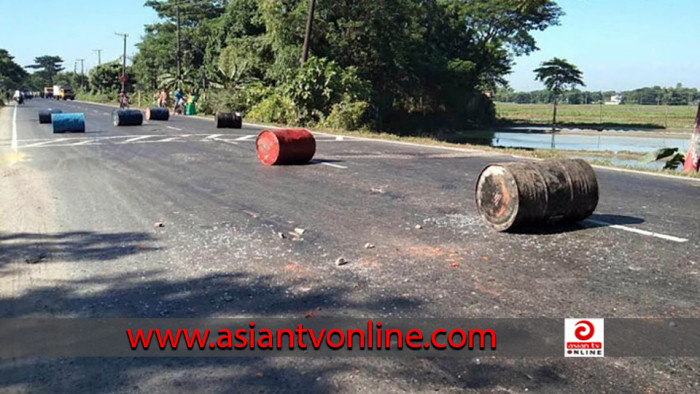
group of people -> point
(184, 104)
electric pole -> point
(82, 71)
(99, 56)
(309, 26)
(178, 53)
(123, 79)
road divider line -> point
(173, 128)
(14, 130)
(82, 143)
(45, 142)
(334, 165)
(246, 137)
(143, 137)
(638, 231)
(169, 139)
(212, 137)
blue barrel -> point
(156, 113)
(62, 123)
(128, 117)
(45, 116)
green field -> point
(642, 116)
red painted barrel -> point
(285, 146)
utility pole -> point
(82, 70)
(178, 53)
(99, 56)
(309, 26)
(124, 62)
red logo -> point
(581, 332)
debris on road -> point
(35, 259)
(379, 190)
(419, 227)
(299, 231)
(369, 246)
(341, 261)
(281, 235)
(159, 225)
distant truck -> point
(63, 92)
(48, 92)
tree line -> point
(396, 65)
(656, 95)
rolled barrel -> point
(45, 115)
(128, 117)
(521, 194)
(62, 123)
(285, 146)
(157, 113)
(228, 120)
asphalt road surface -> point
(81, 209)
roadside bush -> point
(348, 116)
(319, 84)
(97, 97)
(275, 109)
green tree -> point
(12, 75)
(558, 75)
(49, 65)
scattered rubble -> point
(159, 225)
(281, 235)
(299, 231)
(419, 227)
(369, 246)
(341, 261)
(35, 259)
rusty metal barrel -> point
(45, 115)
(157, 113)
(230, 120)
(285, 146)
(525, 194)
(127, 117)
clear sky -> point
(71, 29)
(621, 44)
(618, 44)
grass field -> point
(633, 116)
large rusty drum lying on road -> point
(520, 194)
(285, 146)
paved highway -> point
(81, 209)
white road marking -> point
(212, 137)
(638, 231)
(143, 137)
(333, 165)
(171, 139)
(173, 128)
(45, 142)
(339, 138)
(246, 137)
(14, 130)
(82, 143)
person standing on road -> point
(163, 98)
(179, 101)
(192, 104)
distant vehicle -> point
(63, 92)
(48, 92)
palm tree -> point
(558, 75)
